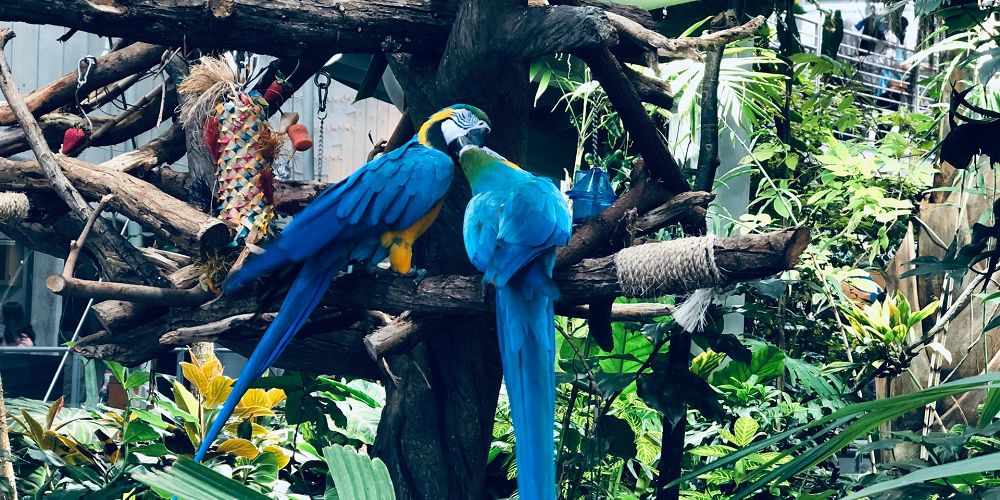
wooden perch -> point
(76, 245)
(168, 147)
(403, 332)
(393, 337)
(190, 229)
(175, 297)
(343, 25)
(335, 332)
(109, 68)
(692, 202)
(66, 284)
(108, 242)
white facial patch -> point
(451, 131)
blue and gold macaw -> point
(377, 212)
(512, 227)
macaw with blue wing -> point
(513, 225)
(377, 212)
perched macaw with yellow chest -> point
(377, 212)
(513, 225)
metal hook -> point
(323, 92)
(83, 72)
(84, 67)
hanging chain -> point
(322, 81)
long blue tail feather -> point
(527, 348)
(304, 295)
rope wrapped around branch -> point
(683, 264)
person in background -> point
(17, 331)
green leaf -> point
(344, 390)
(140, 431)
(136, 379)
(985, 463)
(745, 430)
(118, 370)
(991, 406)
(193, 481)
(356, 476)
(712, 450)
(836, 431)
(153, 450)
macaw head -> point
(453, 127)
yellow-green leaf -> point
(239, 447)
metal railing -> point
(884, 82)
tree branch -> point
(681, 48)
(169, 218)
(108, 241)
(109, 68)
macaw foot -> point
(416, 274)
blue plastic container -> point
(591, 194)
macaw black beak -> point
(474, 137)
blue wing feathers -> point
(343, 224)
(338, 213)
(303, 296)
(511, 233)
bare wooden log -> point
(327, 334)
(119, 315)
(393, 337)
(108, 93)
(73, 287)
(167, 148)
(108, 69)
(210, 332)
(69, 266)
(172, 219)
(534, 32)
(620, 312)
(108, 242)
(679, 206)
